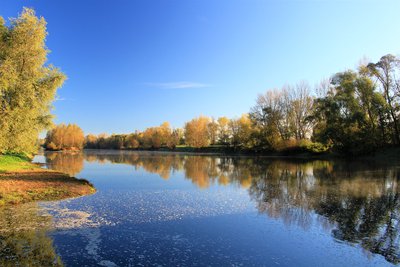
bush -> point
(51, 146)
(316, 148)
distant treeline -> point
(354, 112)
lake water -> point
(165, 209)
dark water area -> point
(165, 209)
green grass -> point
(12, 163)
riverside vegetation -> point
(28, 85)
(22, 181)
(355, 112)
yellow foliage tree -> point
(27, 84)
(196, 132)
(224, 133)
(65, 137)
(241, 130)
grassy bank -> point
(22, 181)
(16, 163)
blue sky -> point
(134, 64)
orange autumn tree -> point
(196, 132)
(65, 137)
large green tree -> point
(351, 115)
(387, 71)
(27, 83)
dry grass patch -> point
(40, 185)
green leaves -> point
(27, 84)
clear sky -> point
(134, 64)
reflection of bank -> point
(356, 202)
(23, 238)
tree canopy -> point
(65, 137)
(28, 84)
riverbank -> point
(390, 152)
(22, 181)
(229, 151)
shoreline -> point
(392, 152)
(22, 181)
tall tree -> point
(65, 137)
(267, 116)
(213, 131)
(27, 84)
(387, 71)
(165, 133)
(348, 116)
(241, 130)
(301, 104)
(173, 139)
(196, 132)
(223, 130)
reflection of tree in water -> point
(202, 171)
(159, 165)
(362, 206)
(373, 222)
(66, 162)
(356, 205)
(162, 165)
(23, 239)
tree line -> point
(360, 110)
(353, 112)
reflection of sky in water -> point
(137, 218)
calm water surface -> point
(163, 209)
